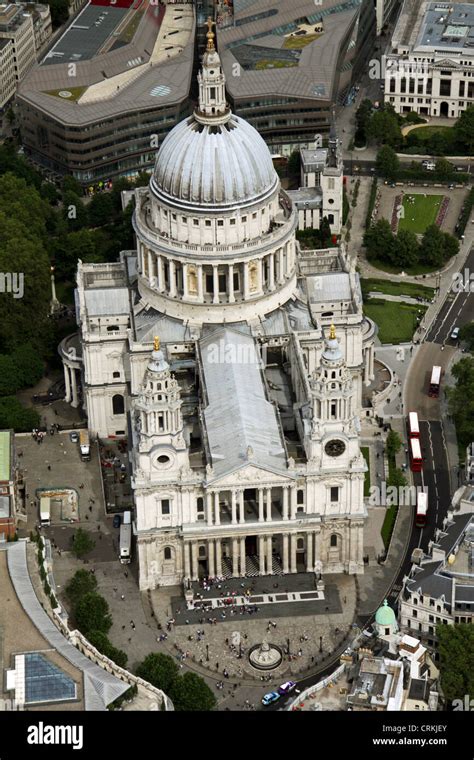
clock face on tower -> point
(335, 448)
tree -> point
(74, 212)
(191, 693)
(29, 365)
(71, 185)
(92, 614)
(294, 163)
(394, 444)
(59, 12)
(81, 543)
(432, 249)
(387, 163)
(464, 129)
(451, 246)
(443, 168)
(385, 129)
(406, 249)
(14, 415)
(466, 334)
(101, 210)
(456, 659)
(461, 400)
(82, 582)
(99, 640)
(362, 117)
(379, 241)
(9, 380)
(325, 233)
(160, 670)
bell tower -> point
(161, 448)
(211, 79)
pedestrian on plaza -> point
(90, 508)
(49, 467)
(122, 597)
(126, 574)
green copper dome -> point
(385, 615)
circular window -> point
(211, 72)
(331, 200)
(163, 459)
(65, 94)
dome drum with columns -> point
(214, 229)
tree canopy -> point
(461, 399)
(191, 693)
(82, 582)
(456, 660)
(92, 614)
(81, 543)
(160, 670)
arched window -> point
(118, 404)
(300, 543)
(300, 497)
(202, 551)
(167, 552)
(331, 218)
(334, 539)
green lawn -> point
(76, 93)
(420, 214)
(388, 523)
(396, 321)
(366, 454)
(411, 271)
(296, 43)
(391, 288)
(274, 64)
(424, 133)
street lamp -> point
(288, 646)
(320, 643)
(207, 652)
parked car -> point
(286, 688)
(74, 437)
(455, 333)
(117, 521)
(271, 697)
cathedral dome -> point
(213, 158)
(214, 164)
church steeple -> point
(212, 102)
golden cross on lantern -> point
(332, 332)
(156, 343)
(210, 34)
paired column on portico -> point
(72, 396)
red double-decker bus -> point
(435, 380)
(413, 425)
(416, 460)
(421, 509)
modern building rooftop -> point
(424, 26)
(281, 49)
(86, 36)
(447, 27)
(153, 69)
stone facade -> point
(237, 379)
